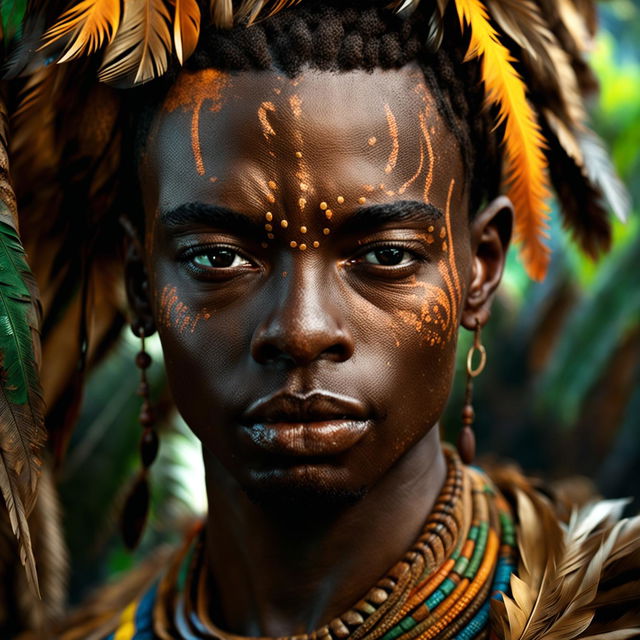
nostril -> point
(337, 352)
(300, 350)
(267, 352)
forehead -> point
(229, 138)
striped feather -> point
(142, 44)
(523, 141)
(88, 25)
(186, 28)
(21, 405)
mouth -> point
(317, 424)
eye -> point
(221, 258)
(388, 257)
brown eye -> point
(222, 258)
(388, 256)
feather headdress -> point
(519, 49)
(534, 76)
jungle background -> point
(561, 392)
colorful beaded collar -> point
(441, 588)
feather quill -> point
(141, 46)
(186, 28)
(88, 26)
(523, 140)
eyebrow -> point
(366, 218)
(363, 219)
(212, 216)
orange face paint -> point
(192, 96)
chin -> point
(303, 488)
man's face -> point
(308, 253)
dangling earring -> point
(136, 508)
(467, 439)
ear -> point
(490, 236)
(137, 282)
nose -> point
(303, 323)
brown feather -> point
(576, 24)
(50, 553)
(522, 21)
(555, 594)
(18, 518)
(140, 50)
(249, 10)
(222, 13)
(581, 204)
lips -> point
(315, 424)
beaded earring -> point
(466, 444)
(136, 508)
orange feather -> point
(89, 25)
(523, 141)
(186, 28)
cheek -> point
(174, 314)
(198, 347)
(418, 379)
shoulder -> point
(576, 578)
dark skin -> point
(307, 262)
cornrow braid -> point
(332, 36)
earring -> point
(136, 508)
(467, 440)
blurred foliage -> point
(561, 393)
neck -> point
(278, 576)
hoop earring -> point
(466, 439)
(136, 507)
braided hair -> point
(346, 36)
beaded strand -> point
(441, 588)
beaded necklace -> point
(441, 588)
